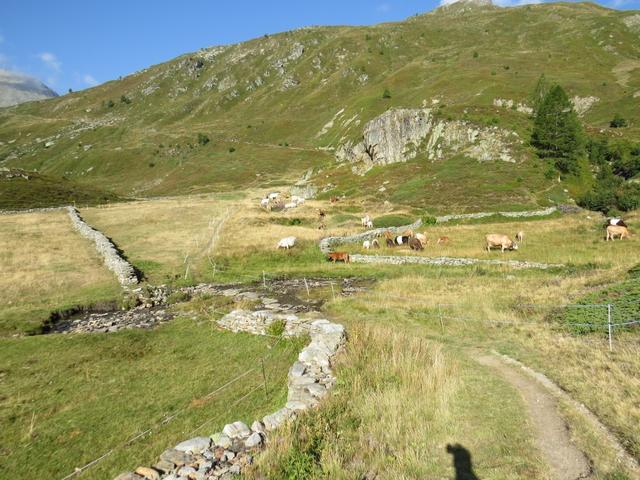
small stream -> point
(278, 296)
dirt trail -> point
(552, 436)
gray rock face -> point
(16, 88)
(400, 133)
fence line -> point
(168, 419)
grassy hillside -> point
(266, 105)
(21, 190)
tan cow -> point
(520, 236)
(617, 230)
(495, 240)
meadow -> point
(408, 384)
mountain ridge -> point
(263, 103)
(16, 88)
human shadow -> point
(462, 462)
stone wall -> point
(31, 210)
(446, 261)
(224, 454)
(463, 216)
(327, 244)
(123, 270)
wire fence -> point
(605, 317)
(254, 386)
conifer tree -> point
(557, 133)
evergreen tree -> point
(541, 90)
(557, 133)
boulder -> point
(254, 440)
(194, 445)
(148, 473)
(221, 440)
(236, 430)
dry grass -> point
(399, 402)
(45, 265)
(581, 364)
(575, 239)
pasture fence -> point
(261, 383)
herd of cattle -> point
(615, 227)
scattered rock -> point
(195, 445)
(148, 473)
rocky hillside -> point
(432, 109)
(16, 88)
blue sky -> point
(76, 44)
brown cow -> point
(339, 256)
(443, 240)
(415, 244)
(616, 230)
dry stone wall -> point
(224, 454)
(119, 266)
(463, 216)
(446, 261)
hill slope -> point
(276, 106)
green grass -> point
(68, 399)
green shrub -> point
(232, 149)
(203, 139)
(125, 99)
(178, 297)
(428, 220)
(476, 54)
(618, 122)
(386, 93)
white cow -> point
(274, 195)
(365, 220)
(287, 243)
(366, 244)
(264, 203)
(369, 224)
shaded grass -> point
(68, 399)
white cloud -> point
(50, 60)
(89, 80)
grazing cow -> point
(375, 243)
(287, 243)
(390, 243)
(365, 220)
(520, 236)
(387, 234)
(402, 239)
(369, 224)
(617, 230)
(503, 242)
(274, 195)
(366, 244)
(618, 222)
(264, 203)
(415, 244)
(443, 240)
(422, 237)
(338, 257)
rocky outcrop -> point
(583, 104)
(119, 266)
(400, 134)
(512, 104)
(447, 261)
